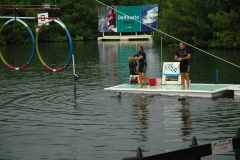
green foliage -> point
(201, 23)
(130, 3)
(225, 27)
(2, 40)
(214, 24)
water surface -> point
(40, 119)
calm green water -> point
(40, 119)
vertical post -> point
(194, 143)
(74, 78)
(74, 88)
(216, 75)
(161, 49)
(135, 33)
(161, 61)
(237, 151)
(103, 34)
(120, 33)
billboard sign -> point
(128, 18)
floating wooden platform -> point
(196, 90)
(126, 38)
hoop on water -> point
(33, 49)
(70, 42)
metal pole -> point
(75, 78)
(161, 49)
(24, 5)
(73, 65)
(29, 8)
(11, 17)
(75, 88)
(161, 69)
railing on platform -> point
(195, 152)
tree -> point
(226, 29)
(206, 23)
(195, 22)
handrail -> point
(10, 17)
(9, 8)
(194, 152)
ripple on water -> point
(39, 118)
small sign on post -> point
(42, 17)
(171, 69)
(222, 146)
(46, 5)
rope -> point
(173, 37)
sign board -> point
(130, 21)
(42, 17)
(171, 73)
(222, 146)
(171, 69)
(46, 5)
(128, 18)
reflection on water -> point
(140, 114)
(185, 116)
(114, 62)
(39, 118)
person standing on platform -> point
(183, 55)
(141, 57)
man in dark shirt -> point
(183, 55)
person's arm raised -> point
(135, 58)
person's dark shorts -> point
(142, 67)
(184, 68)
